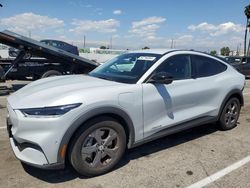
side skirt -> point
(177, 128)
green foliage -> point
(103, 47)
(213, 52)
(225, 51)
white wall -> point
(4, 53)
(100, 58)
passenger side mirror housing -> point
(161, 78)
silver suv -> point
(130, 100)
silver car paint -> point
(150, 107)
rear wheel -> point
(51, 73)
(97, 147)
(230, 114)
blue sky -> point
(196, 24)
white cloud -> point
(117, 12)
(147, 27)
(102, 26)
(148, 21)
(88, 6)
(184, 41)
(217, 30)
(22, 23)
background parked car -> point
(242, 64)
(13, 52)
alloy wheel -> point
(231, 113)
(100, 147)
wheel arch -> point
(113, 112)
(233, 93)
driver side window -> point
(178, 66)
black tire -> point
(230, 114)
(97, 146)
(51, 73)
(27, 55)
(1, 72)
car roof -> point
(153, 51)
(165, 51)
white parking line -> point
(220, 174)
(2, 127)
(248, 93)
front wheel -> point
(97, 147)
(230, 114)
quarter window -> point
(205, 66)
(178, 66)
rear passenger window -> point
(205, 66)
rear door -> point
(209, 82)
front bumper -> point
(33, 157)
(33, 142)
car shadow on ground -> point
(59, 176)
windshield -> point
(126, 68)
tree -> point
(103, 47)
(145, 48)
(225, 51)
(213, 52)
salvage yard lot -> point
(178, 160)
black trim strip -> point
(177, 128)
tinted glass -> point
(179, 67)
(126, 68)
(205, 66)
(248, 59)
(232, 60)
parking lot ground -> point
(179, 160)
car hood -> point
(56, 91)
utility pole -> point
(29, 34)
(111, 42)
(172, 43)
(84, 41)
(239, 48)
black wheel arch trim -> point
(94, 113)
(234, 92)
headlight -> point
(54, 111)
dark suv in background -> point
(13, 52)
(242, 64)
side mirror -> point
(161, 78)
